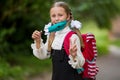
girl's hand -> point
(73, 48)
(36, 35)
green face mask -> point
(58, 26)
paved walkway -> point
(109, 67)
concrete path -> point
(109, 67)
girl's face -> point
(58, 14)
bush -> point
(8, 72)
(19, 68)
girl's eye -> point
(53, 15)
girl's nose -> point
(57, 18)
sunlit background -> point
(19, 18)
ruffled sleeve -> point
(40, 53)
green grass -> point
(116, 42)
(17, 67)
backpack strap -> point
(66, 43)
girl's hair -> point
(68, 12)
(65, 6)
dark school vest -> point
(62, 70)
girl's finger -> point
(75, 41)
(36, 34)
(70, 43)
(74, 46)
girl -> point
(64, 66)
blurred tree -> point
(18, 19)
(101, 11)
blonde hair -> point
(63, 5)
(68, 12)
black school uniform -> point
(62, 70)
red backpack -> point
(89, 52)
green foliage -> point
(19, 68)
(102, 42)
(102, 11)
(18, 19)
(115, 42)
(8, 72)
